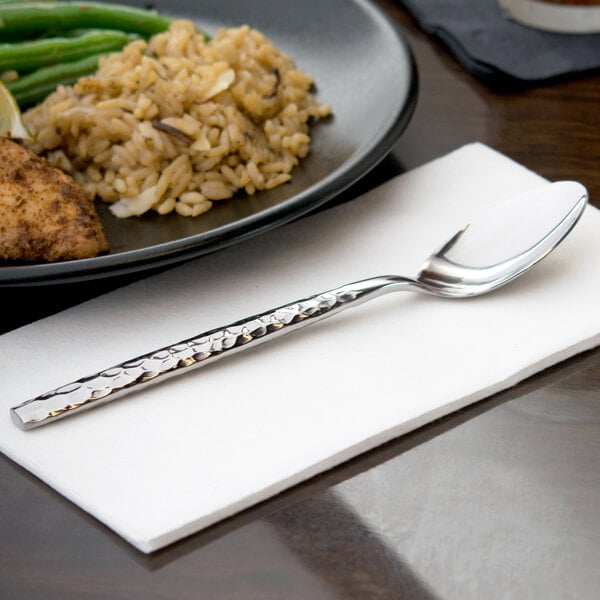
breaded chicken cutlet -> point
(45, 215)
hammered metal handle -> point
(194, 352)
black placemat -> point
(501, 51)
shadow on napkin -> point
(502, 52)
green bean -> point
(34, 87)
(38, 16)
(29, 56)
(19, 1)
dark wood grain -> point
(500, 500)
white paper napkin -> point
(167, 462)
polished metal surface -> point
(562, 203)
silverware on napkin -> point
(483, 256)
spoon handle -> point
(109, 384)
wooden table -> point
(500, 500)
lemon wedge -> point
(11, 120)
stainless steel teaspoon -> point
(486, 254)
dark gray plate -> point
(363, 68)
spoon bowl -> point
(483, 256)
(503, 245)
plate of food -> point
(202, 125)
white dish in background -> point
(548, 15)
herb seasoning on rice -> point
(179, 122)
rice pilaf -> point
(179, 122)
